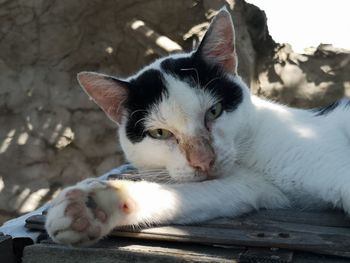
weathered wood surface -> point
(135, 250)
(318, 232)
(296, 232)
(124, 250)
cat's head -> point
(184, 112)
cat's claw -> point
(81, 215)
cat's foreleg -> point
(82, 214)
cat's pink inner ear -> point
(218, 45)
(108, 93)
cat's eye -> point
(214, 112)
(160, 134)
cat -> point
(227, 151)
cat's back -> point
(337, 109)
(334, 119)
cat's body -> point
(228, 151)
(302, 152)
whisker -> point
(136, 111)
(152, 169)
(153, 173)
(210, 81)
(142, 119)
(195, 70)
(194, 81)
(157, 175)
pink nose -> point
(202, 161)
(199, 153)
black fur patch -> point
(327, 109)
(144, 91)
(200, 74)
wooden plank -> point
(327, 242)
(132, 250)
(275, 226)
(318, 232)
(266, 255)
(334, 218)
(111, 251)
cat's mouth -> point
(201, 176)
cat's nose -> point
(202, 165)
(199, 153)
(202, 161)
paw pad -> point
(81, 221)
(80, 224)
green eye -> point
(160, 134)
(214, 112)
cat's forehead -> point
(182, 108)
(183, 97)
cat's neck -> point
(270, 118)
(274, 127)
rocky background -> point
(51, 135)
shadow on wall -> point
(316, 78)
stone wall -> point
(316, 78)
(51, 135)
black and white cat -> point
(229, 152)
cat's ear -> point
(108, 92)
(218, 44)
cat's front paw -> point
(83, 214)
